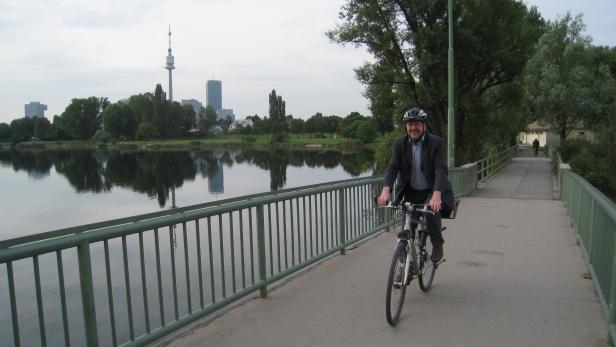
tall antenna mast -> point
(170, 66)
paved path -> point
(513, 277)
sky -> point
(53, 51)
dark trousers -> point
(433, 222)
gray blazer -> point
(433, 167)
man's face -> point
(415, 129)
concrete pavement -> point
(514, 276)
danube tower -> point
(170, 66)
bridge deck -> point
(514, 276)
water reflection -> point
(158, 173)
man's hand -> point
(435, 202)
(384, 197)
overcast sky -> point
(53, 51)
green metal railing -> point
(132, 281)
(593, 215)
(488, 167)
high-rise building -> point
(224, 113)
(34, 109)
(213, 90)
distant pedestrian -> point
(536, 146)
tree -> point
(21, 129)
(315, 124)
(147, 131)
(296, 126)
(208, 119)
(188, 119)
(5, 132)
(42, 128)
(409, 42)
(331, 124)
(82, 117)
(277, 117)
(120, 120)
(143, 106)
(563, 84)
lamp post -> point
(450, 112)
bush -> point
(596, 171)
(278, 137)
(147, 131)
(102, 136)
(571, 148)
(247, 138)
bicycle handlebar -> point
(409, 207)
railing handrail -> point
(152, 215)
(600, 256)
(25, 250)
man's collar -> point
(420, 140)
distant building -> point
(240, 123)
(35, 109)
(543, 132)
(213, 90)
(196, 105)
(224, 113)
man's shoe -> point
(437, 253)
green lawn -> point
(231, 140)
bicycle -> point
(411, 259)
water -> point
(48, 190)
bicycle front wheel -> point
(396, 288)
(426, 266)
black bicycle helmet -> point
(415, 114)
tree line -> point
(512, 67)
(141, 116)
(151, 116)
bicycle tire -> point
(396, 288)
(427, 269)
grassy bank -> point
(218, 141)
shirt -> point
(418, 180)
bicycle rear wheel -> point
(396, 288)
(426, 266)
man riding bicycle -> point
(419, 159)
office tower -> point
(213, 89)
(34, 109)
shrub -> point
(278, 137)
(147, 131)
(102, 136)
(571, 148)
(596, 171)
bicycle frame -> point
(412, 262)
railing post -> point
(612, 300)
(261, 250)
(87, 293)
(591, 228)
(341, 221)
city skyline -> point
(115, 50)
